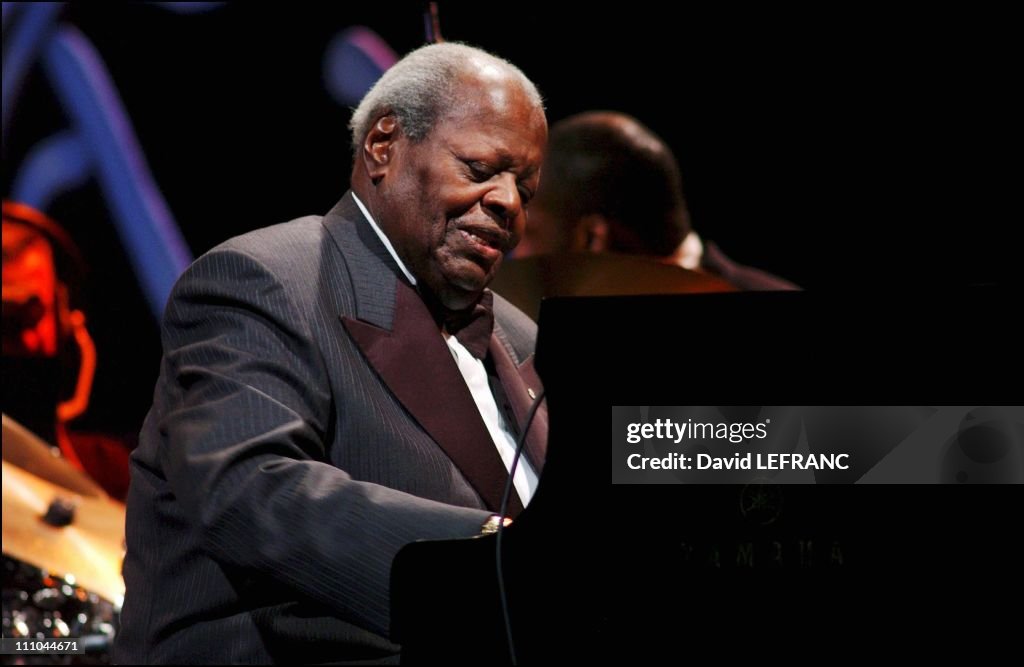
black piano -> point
(665, 572)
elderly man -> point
(612, 185)
(335, 388)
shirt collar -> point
(690, 253)
(384, 239)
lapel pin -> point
(530, 392)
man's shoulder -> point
(742, 276)
(516, 326)
(285, 269)
(278, 244)
(293, 255)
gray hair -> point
(419, 87)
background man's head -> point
(45, 341)
(610, 184)
(448, 146)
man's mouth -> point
(489, 242)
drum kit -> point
(63, 543)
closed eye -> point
(479, 171)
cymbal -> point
(526, 281)
(90, 547)
(24, 449)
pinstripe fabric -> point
(276, 476)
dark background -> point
(863, 148)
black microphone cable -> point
(506, 494)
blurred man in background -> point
(49, 359)
(611, 185)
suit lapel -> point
(399, 338)
(518, 382)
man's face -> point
(455, 202)
(29, 293)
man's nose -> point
(503, 198)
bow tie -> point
(473, 326)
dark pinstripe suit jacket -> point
(308, 422)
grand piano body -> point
(645, 572)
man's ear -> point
(591, 233)
(377, 146)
